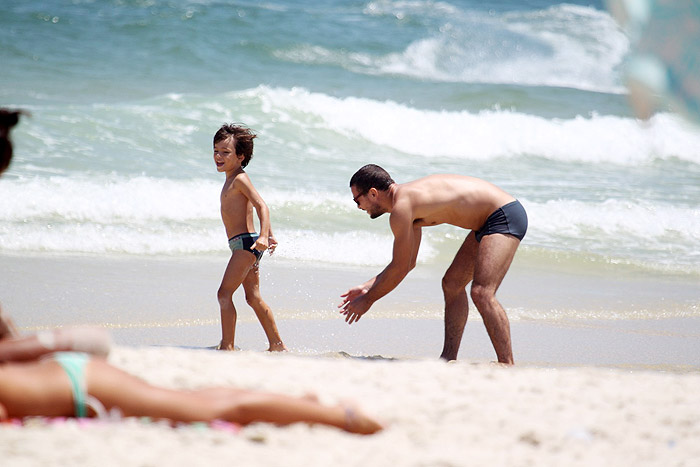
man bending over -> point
(497, 222)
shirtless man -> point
(497, 222)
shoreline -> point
(667, 345)
(615, 321)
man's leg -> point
(454, 283)
(235, 273)
(493, 259)
(251, 285)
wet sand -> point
(558, 317)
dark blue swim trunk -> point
(509, 219)
(245, 241)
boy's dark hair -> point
(371, 176)
(8, 119)
(243, 138)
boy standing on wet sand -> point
(233, 149)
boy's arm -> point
(272, 242)
(248, 190)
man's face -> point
(366, 200)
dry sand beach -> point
(436, 414)
(597, 391)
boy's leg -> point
(251, 285)
(236, 271)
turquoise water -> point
(125, 97)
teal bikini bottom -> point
(73, 363)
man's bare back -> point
(457, 200)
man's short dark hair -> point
(243, 139)
(371, 176)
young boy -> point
(233, 149)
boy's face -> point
(225, 156)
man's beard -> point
(375, 214)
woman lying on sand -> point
(82, 384)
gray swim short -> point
(508, 219)
(245, 241)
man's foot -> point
(277, 347)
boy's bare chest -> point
(232, 200)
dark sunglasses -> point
(355, 199)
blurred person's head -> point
(8, 119)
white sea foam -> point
(641, 232)
(325, 128)
(352, 248)
(158, 216)
(110, 200)
(489, 133)
(563, 45)
(636, 220)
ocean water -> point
(125, 96)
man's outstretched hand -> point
(354, 304)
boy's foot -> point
(223, 346)
(277, 347)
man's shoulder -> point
(402, 209)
